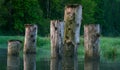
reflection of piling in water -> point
(55, 64)
(13, 60)
(56, 36)
(76, 63)
(29, 62)
(91, 41)
(69, 63)
(30, 38)
(91, 65)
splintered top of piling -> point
(72, 6)
(13, 40)
(91, 24)
(57, 20)
(29, 25)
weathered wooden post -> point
(29, 61)
(30, 38)
(72, 19)
(13, 61)
(56, 35)
(91, 41)
(14, 47)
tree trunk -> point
(72, 18)
(14, 47)
(30, 38)
(56, 35)
(91, 41)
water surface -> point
(31, 62)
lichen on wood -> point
(72, 19)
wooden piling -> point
(91, 41)
(72, 19)
(14, 47)
(56, 36)
(30, 38)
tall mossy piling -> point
(72, 20)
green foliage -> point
(4, 40)
(99, 12)
(111, 53)
(57, 9)
(111, 17)
(88, 11)
(15, 13)
(42, 42)
(32, 12)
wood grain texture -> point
(30, 38)
(72, 19)
(91, 40)
(14, 47)
(56, 36)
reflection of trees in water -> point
(91, 65)
(13, 62)
(29, 62)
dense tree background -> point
(15, 13)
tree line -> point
(15, 13)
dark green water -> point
(9, 63)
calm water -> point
(29, 62)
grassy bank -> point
(109, 47)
